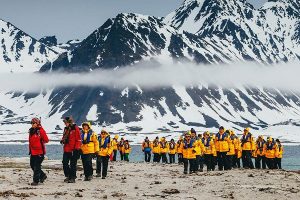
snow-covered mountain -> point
(201, 31)
(19, 52)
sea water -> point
(291, 157)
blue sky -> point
(76, 19)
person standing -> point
(121, 148)
(156, 150)
(231, 152)
(105, 150)
(172, 150)
(146, 148)
(197, 149)
(163, 150)
(270, 151)
(189, 154)
(260, 160)
(37, 150)
(127, 150)
(279, 154)
(89, 148)
(72, 142)
(248, 146)
(114, 144)
(208, 150)
(179, 150)
(222, 147)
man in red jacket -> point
(72, 142)
(37, 150)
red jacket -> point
(71, 138)
(37, 140)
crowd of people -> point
(223, 149)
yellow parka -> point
(222, 142)
(247, 142)
(114, 143)
(259, 147)
(156, 146)
(270, 149)
(188, 149)
(232, 144)
(238, 148)
(280, 151)
(179, 146)
(121, 146)
(172, 148)
(90, 144)
(208, 146)
(147, 145)
(198, 147)
(127, 148)
(163, 146)
(105, 147)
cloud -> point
(148, 75)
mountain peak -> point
(193, 14)
(49, 40)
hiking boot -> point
(185, 172)
(72, 180)
(103, 177)
(200, 170)
(98, 175)
(43, 178)
(34, 183)
(66, 180)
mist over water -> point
(280, 76)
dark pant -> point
(126, 157)
(270, 163)
(87, 164)
(156, 157)
(277, 163)
(164, 158)
(70, 164)
(246, 159)
(201, 162)
(36, 166)
(215, 162)
(121, 155)
(208, 158)
(147, 156)
(172, 158)
(222, 160)
(260, 162)
(115, 155)
(180, 158)
(230, 161)
(234, 161)
(102, 163)
(187, 162)
(197, 162)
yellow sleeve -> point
(110, 150)
(96, 142)
(276, 151)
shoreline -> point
(147, 181)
